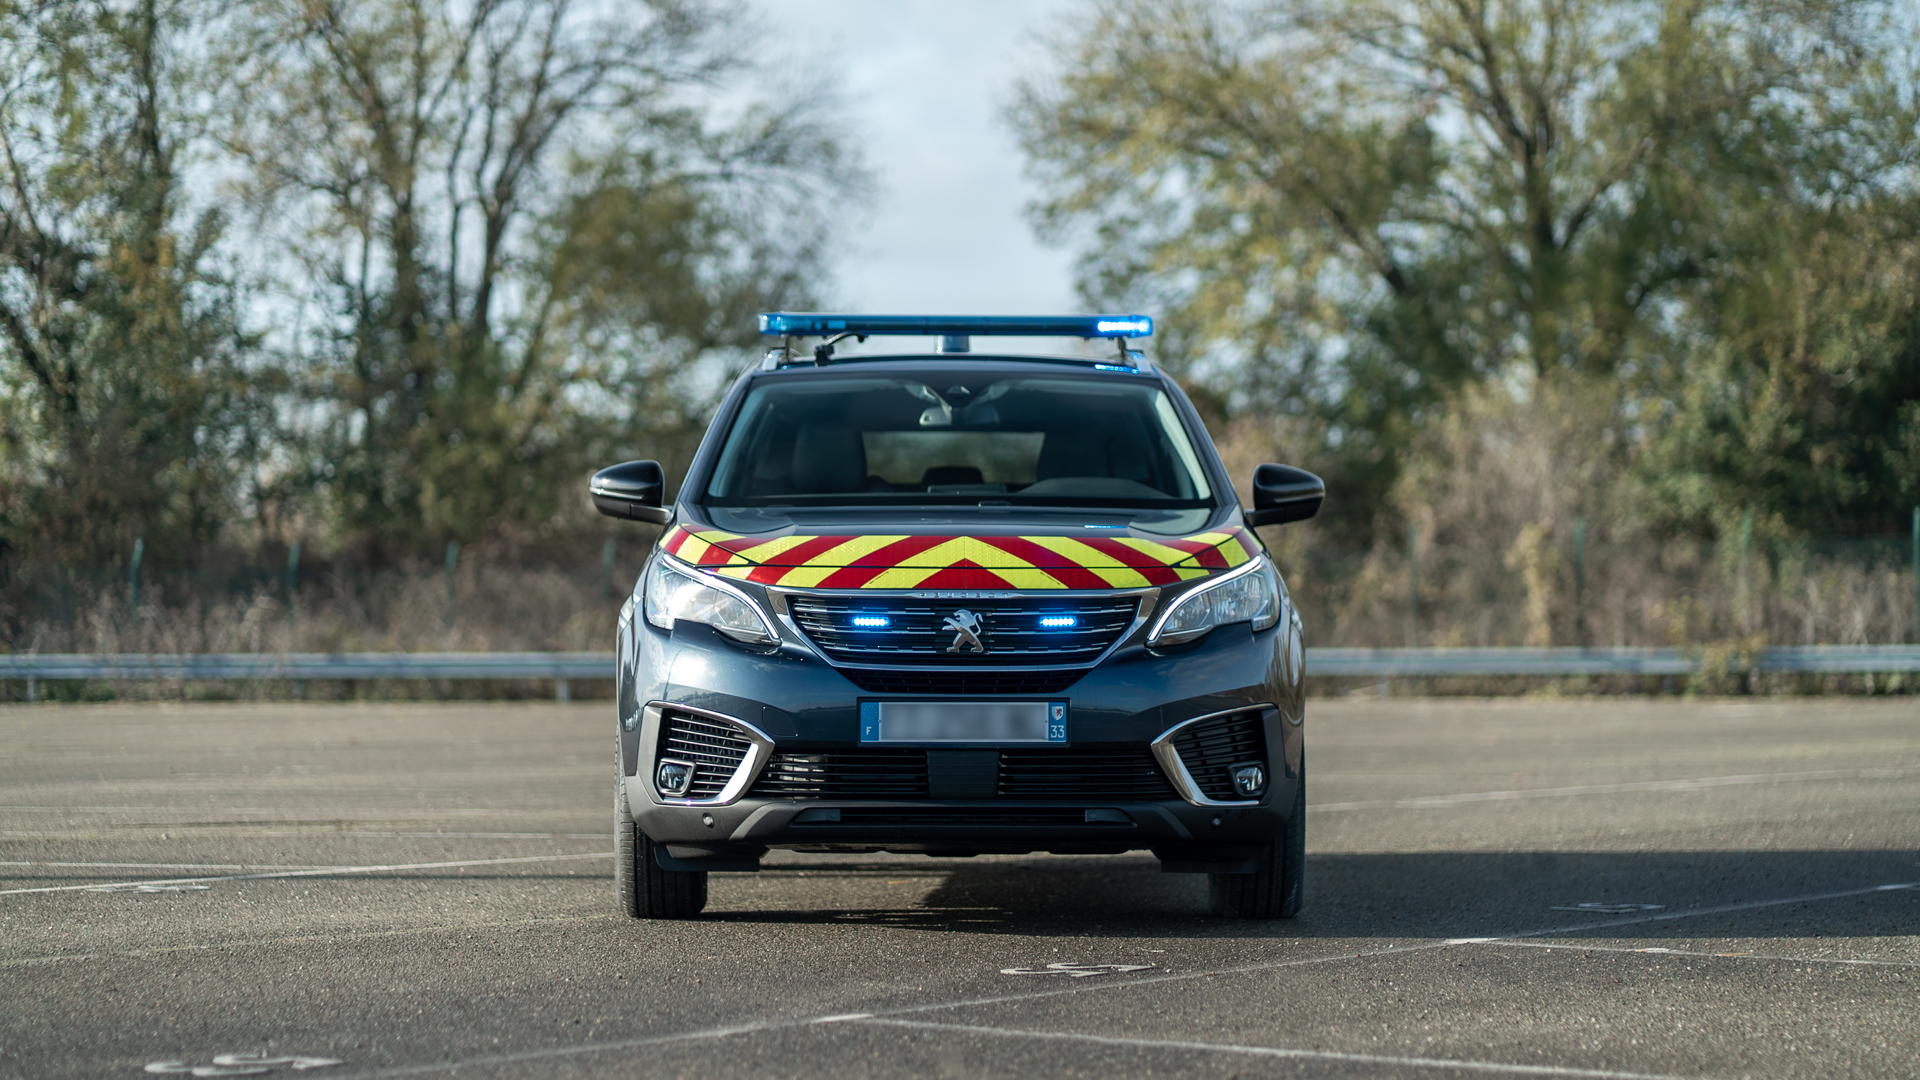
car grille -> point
(1207, 749)
(914, 631)
(1074, 774)
(845, 774)
(716, 748)
(975, 681)
(1122, 775)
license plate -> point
(993, 722)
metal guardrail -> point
(1823, 659)
(408, 665)
(565, 666)
(299, 667)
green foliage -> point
(1349, 210)
(1806, 402)
(126, 409)
(487, 247)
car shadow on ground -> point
(1430, 894)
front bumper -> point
(796, 701)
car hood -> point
(1025, 559)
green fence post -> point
(606, 567)
(1916, 573)
(1580, 581)
(453, 561)
(1413, 584)
(293, 574)
(133, 573)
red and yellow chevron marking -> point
(960, 562)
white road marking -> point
(1078, 987)
(550, 1053)
(323, 872)
(242, 1065)
(174, 865)
(1704, 955)
(482, 835)
(1078, 971)
(1434, 802)
(1608, 909)
(1276, 1052)
(1665, 916)
(405, 813)
(297, 1061)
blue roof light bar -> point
(816, 324)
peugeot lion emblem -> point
(966, 632)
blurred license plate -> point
(963, 722)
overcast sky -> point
(924, 82)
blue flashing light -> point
(872, 622)
(1058, 622)
(817, 324)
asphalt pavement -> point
(1542, 887)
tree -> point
(1803, 405)
(523, 232)
(124, 410)
(1348, 208)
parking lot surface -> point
(1554, 888)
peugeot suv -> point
(953, 603)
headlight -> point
(1250, 594)
(672, 594)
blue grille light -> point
(1057, 622)
(818, 324)
(872, 622)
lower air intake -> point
(1211, 746)
(845, 774)
(715, 747)
(935, 818)
(1036, 773)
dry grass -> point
(1520, 521)
(493, 609)
(1497, 496)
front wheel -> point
(1275, 889)
(641, 888)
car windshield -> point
(959, 437)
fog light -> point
(673, 777)
(1249, 779)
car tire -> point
(641, 889)
(1275, 889)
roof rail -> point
(954, 331)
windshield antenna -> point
(823, 352)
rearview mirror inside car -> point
(632, 490)
(1282, 493)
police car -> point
(956, 602)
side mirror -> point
(632, 490)
(1282, 493)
